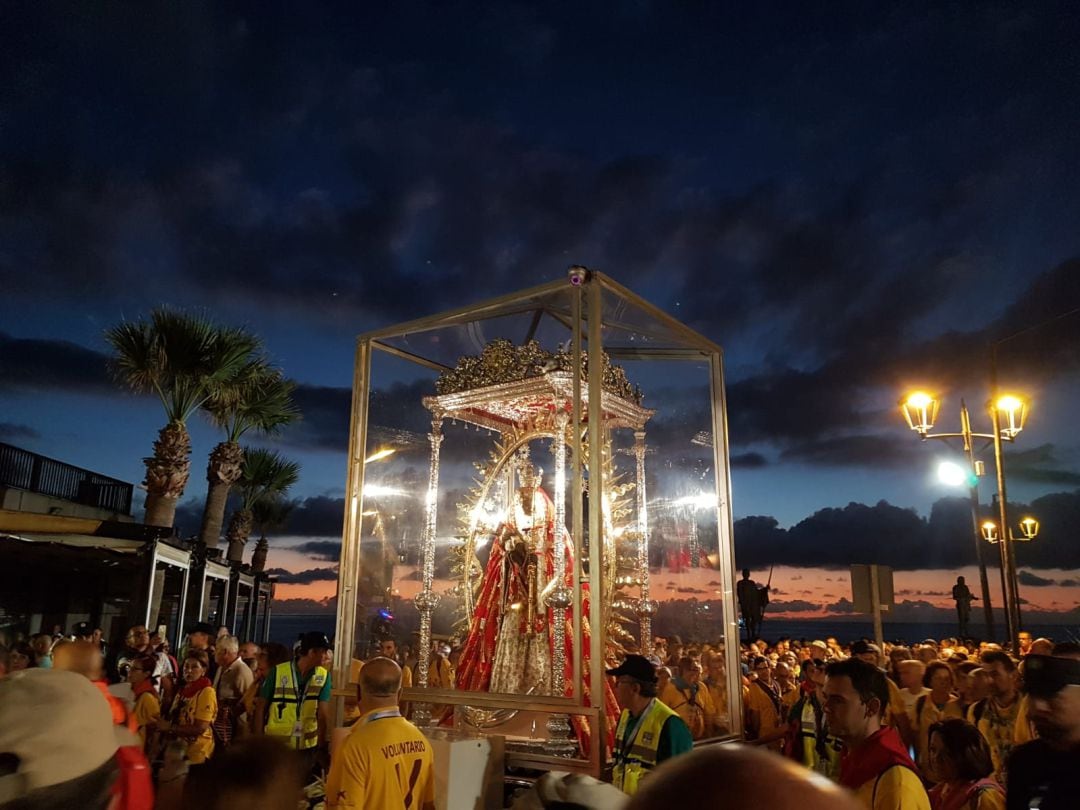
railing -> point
(25, 470)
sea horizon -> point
(286, 627)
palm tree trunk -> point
(167, 473)
(223, 470)
(239, 530)
(258, 558)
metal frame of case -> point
(579, 305)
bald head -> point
(82, 657)
(380, 679)
(750, 776)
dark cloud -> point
(842, 605)
(748, 461)
(325, 423)
(396, 417)
(794, 606)
(42, 365)
(322, 550)
(318, 516)
(1033, 580)
(855, 451)
(1041, 465)
(304, 577)
(12, 432)
(888, 535)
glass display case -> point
(538, 485)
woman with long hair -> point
(960, 763)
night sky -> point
(852, 201)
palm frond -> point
(183, 358)
(259, 398)
(271, 513)
(266, 473)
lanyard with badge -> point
(297, 730)
(625, 741)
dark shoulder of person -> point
(1042, 776)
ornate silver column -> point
(560, 741)
(427, 600)
(645, 607)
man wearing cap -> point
(58, 740)
(60, 745)
(294, 700)
(648, 732)
(1043, 772)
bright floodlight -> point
(1012, 413)
(920, 410)
(990, 531)
(952, 475)
(377, 491)
(379, 455)
(702, 500)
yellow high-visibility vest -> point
(291, 716)
(636, 757)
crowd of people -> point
(947, 725)
(170, 716)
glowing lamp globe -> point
(920, 410)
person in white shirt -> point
(231, 681)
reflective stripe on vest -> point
(282, 708)
(635, 758)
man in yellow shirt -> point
(385, 762)
(690, 699)
(875, 762)
(766, 722)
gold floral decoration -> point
(503, 362)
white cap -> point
(58, 725)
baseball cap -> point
(56, 724)
(82, 629)
(635, 666)
(1045, 675)
(862, 647)
(314, 641)
(203, 627)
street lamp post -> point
(1010, 584)
(920, 410)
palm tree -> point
(267, 515)
(266, 474)
(184, 360)
(260, 399)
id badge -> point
(297, 729)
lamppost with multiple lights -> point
(1008, 414)
(1029, 530)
